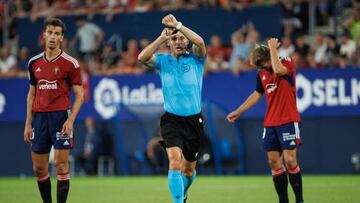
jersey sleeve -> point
(289, 64)
(199, 59)
(32, 79)
(159, 58)
(75, 74)
(259, 86)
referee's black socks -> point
(44, 185)
(63, 185)
(295, 179)
(281, 183)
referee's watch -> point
(178, 26)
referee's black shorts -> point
(185, 132)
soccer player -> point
(281, 136)
(181, 74)
(49, 121)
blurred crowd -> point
(99, 57)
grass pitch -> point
(207, 189)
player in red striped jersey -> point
(277, 79)
(49, 121)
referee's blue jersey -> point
(181, 80)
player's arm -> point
(78, 101)
(199, 47)
(253, 99)
(146, 56)
(29, 103)
(277, 66)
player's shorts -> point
(283, 137)
(47, 128)
(185, 132)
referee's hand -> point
(28, 134)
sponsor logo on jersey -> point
(271, 87)
(47, 85)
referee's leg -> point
(174, 175)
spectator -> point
(301, 46)
(347, 46)
(352, 24)
(23, 59)
(239, 56)
(87, 158)
(108, 59)
(156, 155)
(7, 63)
(319, 48)
(217, 55)
(89, 35)
(286, 47)
(332, 52)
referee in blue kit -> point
(181, 74)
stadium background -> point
(126, 103)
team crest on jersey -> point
(263, 77)
(56, 70)
(185, 68)
(38, 69)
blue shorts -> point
(279, 138)
(47, 128)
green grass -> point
(206, 189)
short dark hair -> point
(260, 55)
(56, 22)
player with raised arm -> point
(281, 137)
(49, 121)
(181, 74)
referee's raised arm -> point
(146, 56)
(199, 48)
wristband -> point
(178, 26)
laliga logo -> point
(327, 92)
(108, 95)
(2, 103)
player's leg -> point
(290, 140)
(61, 162)
(278, 173)
(40, 167)
(62, 145)
(174, 174)
(273, 148)
(295, 176)
(40, 147)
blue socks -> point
(188, 181)
(176, 186)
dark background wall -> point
(328, 145)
